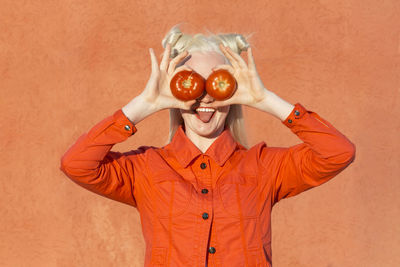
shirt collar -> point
(185, 151)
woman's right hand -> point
(157, 91)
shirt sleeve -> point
(90, 163)
(324, 153)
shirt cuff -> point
(124, 123)
(297, 113)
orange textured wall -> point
(66, 65)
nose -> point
(206, 98)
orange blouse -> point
(207, 209)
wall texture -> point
(66, 65)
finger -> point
(252, 65)
(186, 105)
(154, 63)
(237, 57)
(189, 104)
(232, 60)
(221, 103)
(183, 61)
(232, 57)
(164, 61)
(180, 68)
(176, 60)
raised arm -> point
(288, 171)
(324, 153)
(90, 162)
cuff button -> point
(289, 121)
(297, 113)
(127, 127)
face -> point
(197, 120)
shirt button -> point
(127, 127)
(290, 121)
(204, 191)
(203, 165)
(205, 215)
(297, 113)
(211, 250)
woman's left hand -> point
(250, 90)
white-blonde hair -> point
(199, 42)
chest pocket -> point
(172, 194)
(238, 194)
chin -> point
(206, 131)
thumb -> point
(154, 62)
(189, 104)
(217, 103)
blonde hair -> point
(199, 42)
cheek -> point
(223, 114)
(227, 112)
(184, 113)
(188, 116)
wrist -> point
(263, 103)
(275, 105)
(138, 109)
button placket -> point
(204, 173)
(204, 176)
(204, 191)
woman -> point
(205, 198)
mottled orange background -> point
(66, 65)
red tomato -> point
(221, 84)
(187, 85)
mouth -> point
(205, 114)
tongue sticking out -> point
(204, 116)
